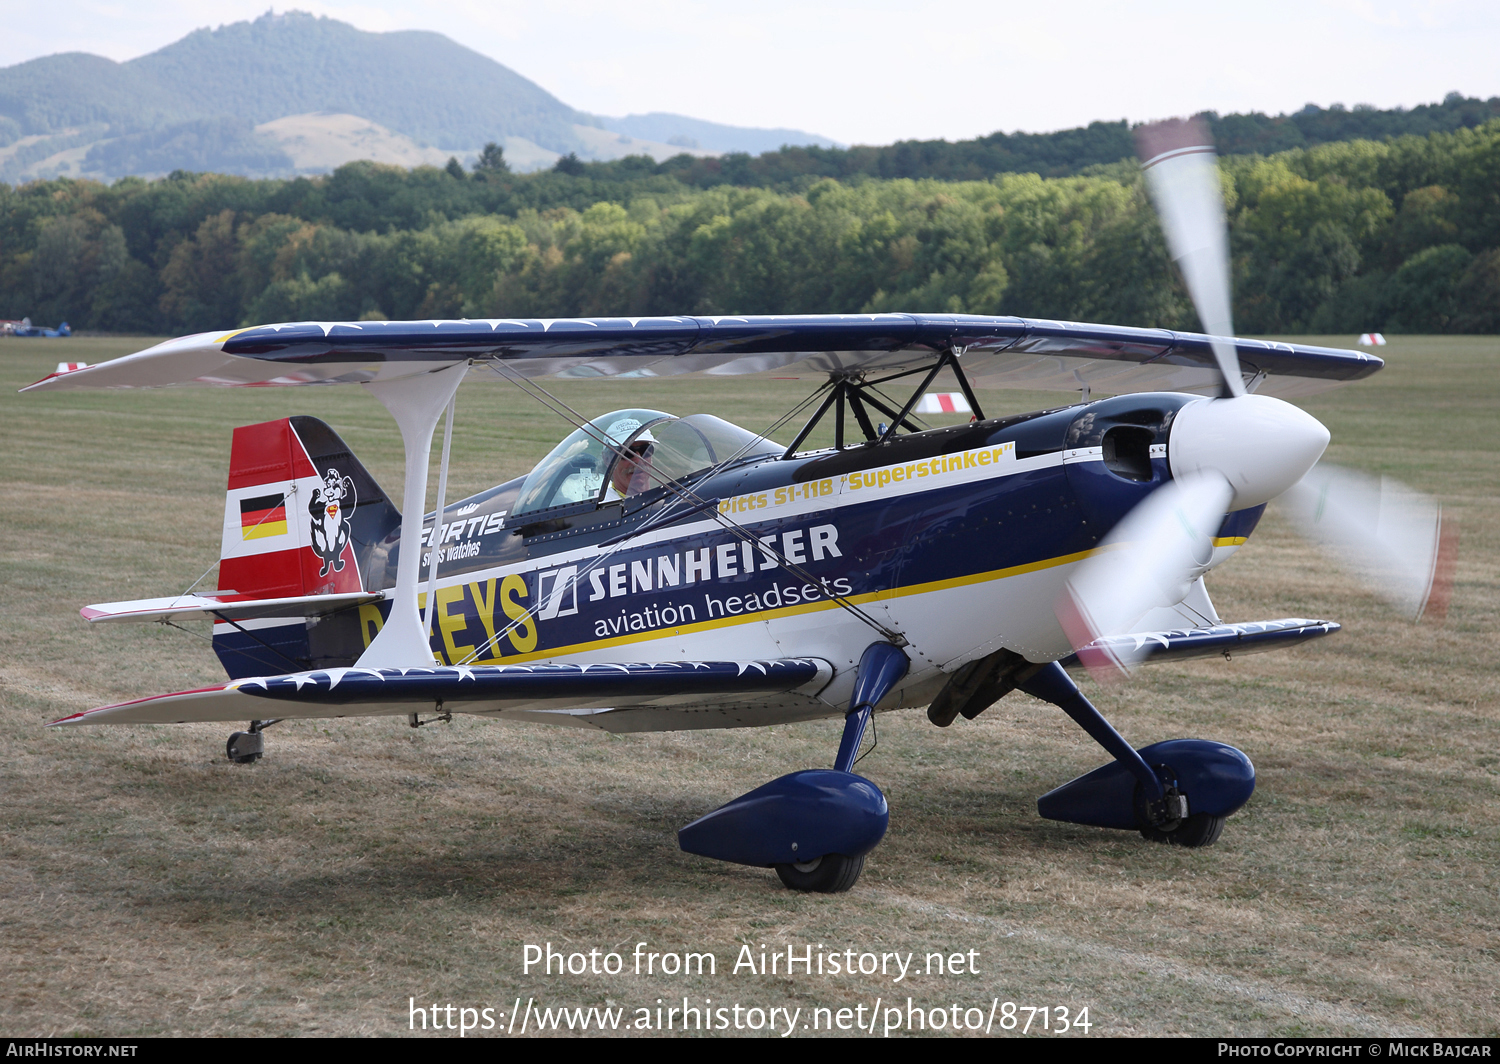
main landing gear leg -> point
(246, 747)
(881, 667)
(1179, 791)
(816, 826)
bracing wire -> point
(562, 409)
(284, 497)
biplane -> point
(657, 572)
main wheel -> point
(831, 874)
(1200, 829)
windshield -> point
(658, 448)
(574, 471)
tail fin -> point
(302, 517)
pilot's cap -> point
(619, 431)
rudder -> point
(302, 516)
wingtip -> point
(71, 718)
(34, 385)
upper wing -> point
(490, 689)
(997, 352)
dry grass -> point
(151, 887)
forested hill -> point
(415, 82)
(1072, 151)
(1400, 235)
(421, 84)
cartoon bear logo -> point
(332, 505)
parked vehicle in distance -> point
(25, 328)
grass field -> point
(148, 886)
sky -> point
(877, 71)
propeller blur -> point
(1237, 451)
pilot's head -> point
(629, 474)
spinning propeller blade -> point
(1149, 559)
(1394, 539)
(1182, 173)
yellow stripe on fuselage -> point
(1230, 541)
(788, 611)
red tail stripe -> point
(266, 453)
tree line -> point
(1398, 235)
(1065, 152)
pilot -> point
(632, 472)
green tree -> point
(1478, 295)
(1424, 291)
(57, 267)
(200, 283)
(491, 161)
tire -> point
(230, 750)
(831, 874)
(1198, 830)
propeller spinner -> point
(1236, 451)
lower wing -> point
(488, 689)
(1250, 637)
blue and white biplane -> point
(656, 572)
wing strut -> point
(416, 403)
(437, 521)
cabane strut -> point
(853, 390)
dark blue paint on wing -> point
(654, 338)
(530, 682)
(1247, 637)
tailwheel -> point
(245, 747)
(832, 873)
(1200, 829)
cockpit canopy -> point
(627, 452)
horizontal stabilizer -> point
(492, 689)
(1250, 637)
(226, 605)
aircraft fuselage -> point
(958, 538)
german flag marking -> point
(262, 516)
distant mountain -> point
(696, 133)
(212, 100)
(421, 84)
